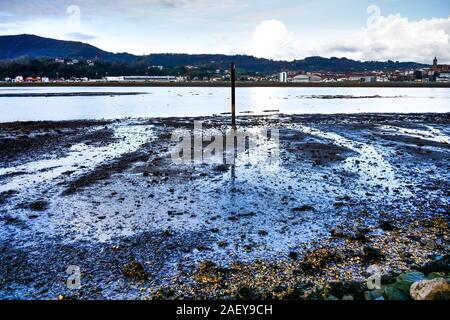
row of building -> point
(71, 62)
(20, 79)
(437, 73)
(145, 79)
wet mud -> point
(345, 192)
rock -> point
(336, 233)
(400, 289)
(405, 280)
(39, 205)
(435, 275)
(245, 293)
(263, 233)
(135, 270)
(387, 226)
(317, 259)
(9, 219)
(305, 207)
(293, 255)
(222, 244)
(435, 289)
(374, 295)
(344, 290)
(440, 264)
(392, 293)
(203, 248)
(208, 273)
(372, 254)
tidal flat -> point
(347, 192)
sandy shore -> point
(349, 192)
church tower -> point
(435, 63)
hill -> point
(33, 47)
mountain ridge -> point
(34, 47)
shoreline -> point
(240, 116)
(226, 84)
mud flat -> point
(347, 192)
(68, 94)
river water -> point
(185, 101)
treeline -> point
(49, 68)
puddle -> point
(370, 164)
(81, 158)
(431, 134)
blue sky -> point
(282, 29)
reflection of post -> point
(233, 167)
(233, 95)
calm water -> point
(168, 102)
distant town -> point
(437, 73)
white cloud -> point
(396, 38)
(393, 37)
(272, 40)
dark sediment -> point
(201, 231)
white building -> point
(283, 77)
(382, 79)
(301, 78)
(18, 79)
(114, 78)
(315, 78)
(160, 68)
(145, 79)
(151, 78)
(443, 77)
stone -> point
(392, 293)
(435, 289)
(293, 255)
(39, 205)
(135, 270)
(435, 275)
(305, 207)
(372, 254)
(405, 280)
(374, 295)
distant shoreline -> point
(238, 84)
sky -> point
(403, 30)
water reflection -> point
(169, 102)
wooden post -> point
(233, 95)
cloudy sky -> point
(406, 30)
